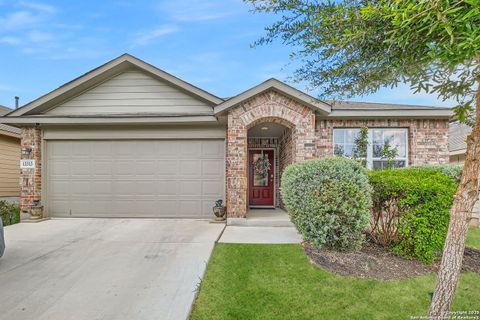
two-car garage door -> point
(134, 178)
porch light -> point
(264, 128)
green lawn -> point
(252, 281)
(473, 239)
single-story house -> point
(9, 160)
(130, 140)
(457, 147)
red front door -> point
(260, 180)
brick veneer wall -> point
(286, 155)
(427, 139)
(269, 106)
(30, 179)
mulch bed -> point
(376, 262)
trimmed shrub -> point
(329, 201)
(453, 171)
(411, 210)
(9, 212)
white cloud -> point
(13, 41)
(197, 10)
(4, 87)
(18, 20)
(38, 6)
(39, 36)
(147, 37)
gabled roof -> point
(3, 127)
(358, 110)
(353, 105)
(279, 86)
(102, 73)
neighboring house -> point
(9, 160)
(457, 148)
(130, 140)
(457, 145)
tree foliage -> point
(355, 47)
(352, 47)
(361, 146)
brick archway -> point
(269, 106)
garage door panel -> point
(81, 188)
(167, 149)
(188, 207)
(146, 188)
(123, 167)
(102, 168)
(212, 168)
(102, 149)
(190, 187)
(212, 188)
(167, 167)
(62, 207)
(81, 151)
(212, 149)
(102, 188)
(80, 167)
(60, 188)
(60, 150)
(144, 178)
(207, 206)
(144, 167)
(190, 150)
(167, 187)
(166, 207)
(190, 168)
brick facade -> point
(30, 179)
(269, 106)
(304, 139)
(427, 139)
(286, 156)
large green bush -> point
(329, 201)
(9, 212)
(411, 210)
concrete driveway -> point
(104, 268)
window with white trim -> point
(344, 145)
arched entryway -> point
(271, 149)
(292, 124)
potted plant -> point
(219, 210)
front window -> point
(395, 138)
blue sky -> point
(44, 44)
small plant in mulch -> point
(377, 262)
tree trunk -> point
(460, 214)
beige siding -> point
(9, 166)
(132, 92)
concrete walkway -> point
(272, 235)
(261, 226)
(104, 268)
